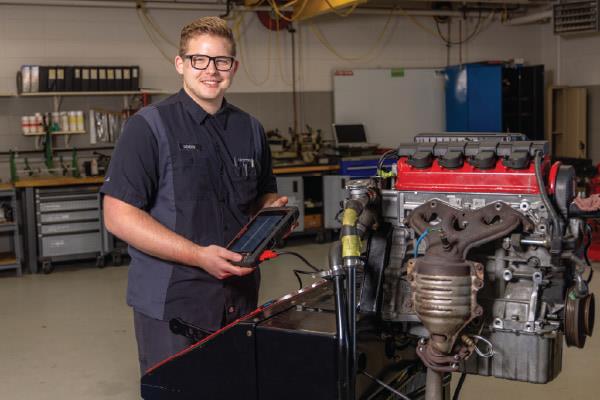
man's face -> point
(207, 87)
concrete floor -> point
(69, 335)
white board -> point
(393, 104)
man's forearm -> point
(143, 232)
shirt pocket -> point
(246, 188)
(192, 175)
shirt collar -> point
(199, 114)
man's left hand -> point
(278, 202)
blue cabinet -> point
(474, 98)
(495, 98)
(361, 167)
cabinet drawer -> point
(63, 245)
(68, 205)
(70, 228)
(69, 216)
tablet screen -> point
(257, 232)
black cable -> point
(465, 40)
(383, 157)
(298, 272)
(459, 386)
(293, 253)
(385, 385)
(398, 381)
(588, 234)
(556, 228)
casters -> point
(100, 262)
(117, 258)
(47, 267)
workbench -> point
(57, 181)
(63, 220)
(305, 169)
(9, 229)
(46, 197)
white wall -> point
(579, 60)
(62, 35)
(575, 59)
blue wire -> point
(419, 240)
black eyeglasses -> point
(201, 61)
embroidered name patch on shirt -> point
(190, 147)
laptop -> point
(351, 135)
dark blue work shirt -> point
(199, 175)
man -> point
(184, 178)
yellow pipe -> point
(350, 217)
(350, 243)
(318, 7)
(350, 246)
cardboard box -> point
(313, 221)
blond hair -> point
(205, 26)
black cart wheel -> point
(47, 267)
(321, 237)
(100, 262)
(117, 259)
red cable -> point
(267, 255)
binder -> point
(127, 78)
(60, 79)
(102, 84)
(135, 78)
(110, 78)
(118, 78)
(76, 79)
(51, 83)
(85, 79)
(69, 77)
(93, 79)
(24, 79)
(35, 78)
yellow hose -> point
(350, 243)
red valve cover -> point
(467, 179)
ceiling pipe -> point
(422, 13)
(221, 7)
(122, 4)
(531, 18)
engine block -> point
(453, 201)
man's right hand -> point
(216, 261)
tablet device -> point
(262, 232)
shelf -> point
(104, 93)
(7, 259)
(7, 227)
(56, 133)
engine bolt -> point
(445, 242)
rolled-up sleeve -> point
(133, 171)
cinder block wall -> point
(262, 86)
